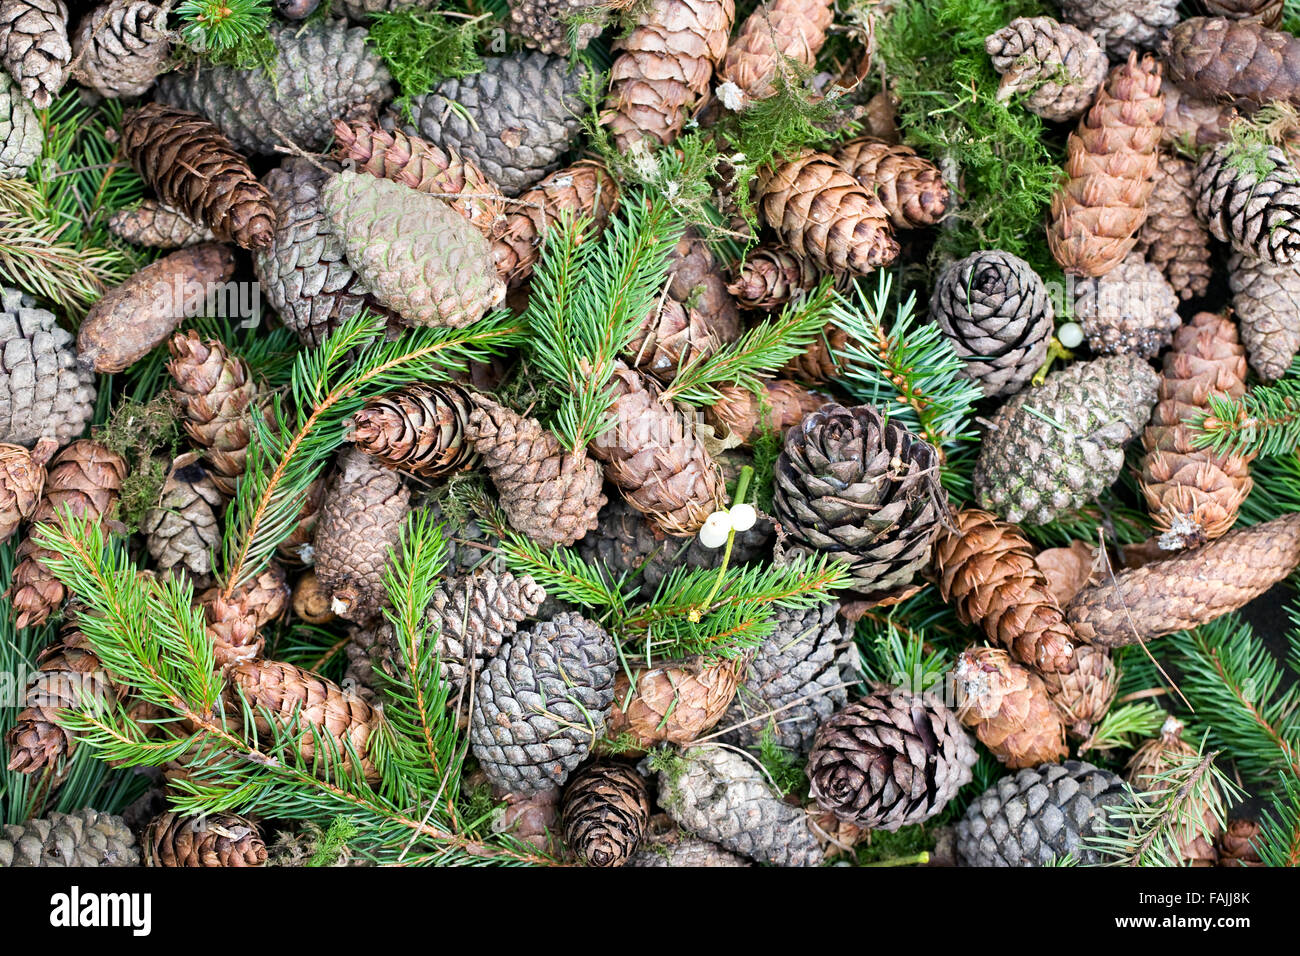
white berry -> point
(1070, 335)
(743, 517)
(713, 535)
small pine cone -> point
(667, 845)
(662, 68)
(1251, 202)
(823, 360)
(606, 812)
(419, 429)
(672, 702)
(1266, 301)
(551, 495)
(837, 837)
(194, 169)
(120, 48)
(1192, 493)
(656, 458)
(1057, 67)
(214, 839)
(297, 548)
(892, 759)
(770, 277)
(215, 394)
(824, 216)
(34, 47)
(45, 393)
(21, 136)
(1189, 589)
(669, 336)
(296, 698)
(1237, 844)
(82, 838)
(986, 569)
(1009, 709)
(182, 532)
(311, 602)
(1195, 840)
(22, 479)
(583, 190)
(723, 797)
(1241, 61)
(995, 310)
(533, 819)
(772, 38)
(739, 412)
(542, 702)
(1267, 12)
(158, 226)
(1084, 692)
(1172, 238)
(1129, 309)
(1111, 161)
(695, 280)
(910, 187)
(84, 479)
(1191, 123)
(235, 622)
(360, 525)
(547, 25)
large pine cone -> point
(778, 33)
(605, 814)
(44, 392)
(1122, 26)
(82, 838)
(121, 47)
(21, 136)
(1251, 202)
(34, 47)
(1237, 60)
(1057, 67)
(215, 394)
(216, 839)
(1008, 707)
(22, 479)
(1266, 300)
(1129, 309)
(419, 429)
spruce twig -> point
(1263, 422)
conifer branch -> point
(1263, 422)
(1123, 727)
(1278, 842)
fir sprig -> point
(1278, 842)
(1123, 727)
(1263, 422)
(234, 31)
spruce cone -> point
(1266, 300)
(235, 623)
(1159, 755)
(1237, 60)
(120, 48)
(655, 457)
(1008, 708)
(414, 254)
(311, 602)
(670, 336)
(777, 33)
(218, 839)
(193, 168)
(214, 394)
(22, 479)
(550, 495)
(1122, 26)
(158, 226)
(1192, 493)
(1111, 160)
(45, 394)
(770, 277)
(724, 798)
(360, 525)
(1191, 123)
(662, 68)
(1129, 309)
(986, 570)
(864, 490)
(1189, 589)
(889, 760)
(21, 136)
(1040, 815)
(419, 429)
(1083, 692)
(1056, 66)
(1267, 12)
(182, 531)
(321, 71)
(824, 216)
(911, 188)
(1052, 448)
(298, 547)
(542, 702)
(672, 702)
(34, 47)
(1172, 239)
(1252, 203)
(83, 838)
(995, 310)
(546, 24)
(514, 120)
(84, 479)
(606, 812)
(1237, 844)
(739, 412)
(823, 360)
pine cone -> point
(777, 34)
(360, 525)
(419, 429)
(550, 495)
(311, 602)
(21, 136)
(1160, 755)
(770, 277)
(606, 812)
(739, 413)
(656, 458)
(1056, 66)
(44, 392)
(1110, 162)
(216, 839)
(546, 25)
(235, 623)
(533, 818)
(214, 393)
(662, 68)
(1267, 12)
(321, 71)
(82, 838)
(911, 188)
(824, 216)
(995, 310)
(674, 701)
(1251, 201)
(1129, 309)
(723, 797)
(1039, 816)
(670, 336)
(1193, 494)
(120, 48)
(1237, 60)
(823, 360)
(84, 480)
(158, 226)
(863, 490)
(182, 532)
(1052, 448)
(667, 845)
(1191, 123)
(1172, 239)
(34, 47)
(1119, 26)
(514, 120)
(542, 702)
(297, 548)
(1266, 301)
(1189, 589)
(192, 167)
(1084, 691)
(22, 479)
(1008, 707)
(1237, 844)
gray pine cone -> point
(1122, 25)
(666, 845)
(158, 226)
(1057, 67)
(1251, 201)
(1132, 308)
(21, 137)
(34, 47)
(1266, 300)
(83, 838)
(183, 531)
(546, 24)
(44, 393)
(121, 47)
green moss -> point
(782, 765)
(424, 47)
(880, 846)
(145, 434)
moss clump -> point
(880, 846)
(424, 47)
(145, 434)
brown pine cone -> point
(1240, 61)
(673, 702)
(740, 412)
(1189, 589)
(121, 47)
(419, 429)
(910, 187)
(1172, 238)
(770, 277)
(158, 226)
(1236, 844)
(22, 479)
(193, 168)
(311, 602)
(1008, 708)
(986, 569)
(298, 547)
(1057, 66)
(821, 361)
(214, 393)
(183, 531)
(1160, 755)
(1191, 123)
(214, 839)
(695, 280)
(1267, 12)
(235, 621)
(1111, 160)
(605, 814)
(670, 335)
(778, 33)
(1084, 691)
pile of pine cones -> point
(308, 175)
